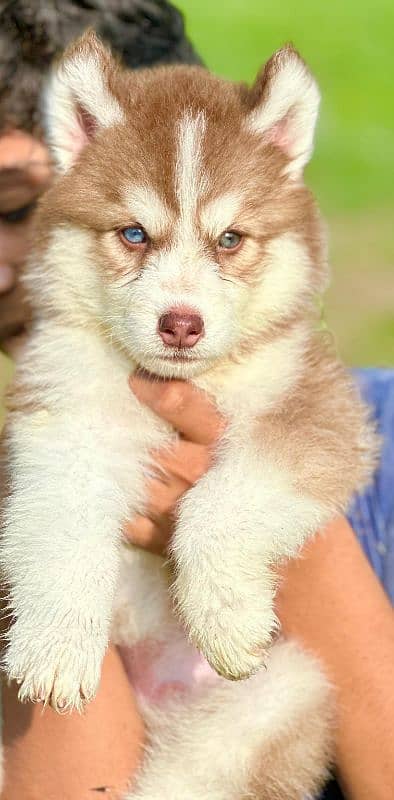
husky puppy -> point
(179, 237)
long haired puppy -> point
(179, 238)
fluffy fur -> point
(187, 156)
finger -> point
(187, 409)
(149, 535)
(13, 310)
(186, 460)
(21, 153)
(7, 278)
(163, 495)
(153, 529)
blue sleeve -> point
(372, 513)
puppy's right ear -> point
(78, 101)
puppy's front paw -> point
(61, 671)
(232, 625)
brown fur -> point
(330, 442)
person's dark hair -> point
(33, 32)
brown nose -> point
(181, 327)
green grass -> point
(349, 46)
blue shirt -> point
(372, 513)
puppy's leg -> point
(268, 738)
(75, 459)
(60, 556)
(239, 521)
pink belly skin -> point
(157, 669)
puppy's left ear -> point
(79, 102)
(285, 105)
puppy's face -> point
(179, 220)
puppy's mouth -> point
(180, 356)
(177, 364)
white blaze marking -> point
(190, 181)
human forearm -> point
(332, 602)
(47, 755)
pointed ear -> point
(78, 101)
(285, 102)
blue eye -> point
(134, 235)
(230, 240)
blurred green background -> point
(349, 46)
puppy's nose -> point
(181, 327)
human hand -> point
(199, 424)
(25, 172)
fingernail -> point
(7, 278)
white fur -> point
(220, 214)
(217, 744)
(56, 278)
(92, 443)
(81, 465)
(147, 208)
(190, 179)
(293, 103)
(240, 518)
(243, 389)
(78, 82)
(181, 275)
(78, 473)
(142, 606)
(282, 286)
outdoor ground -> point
(349, 46)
